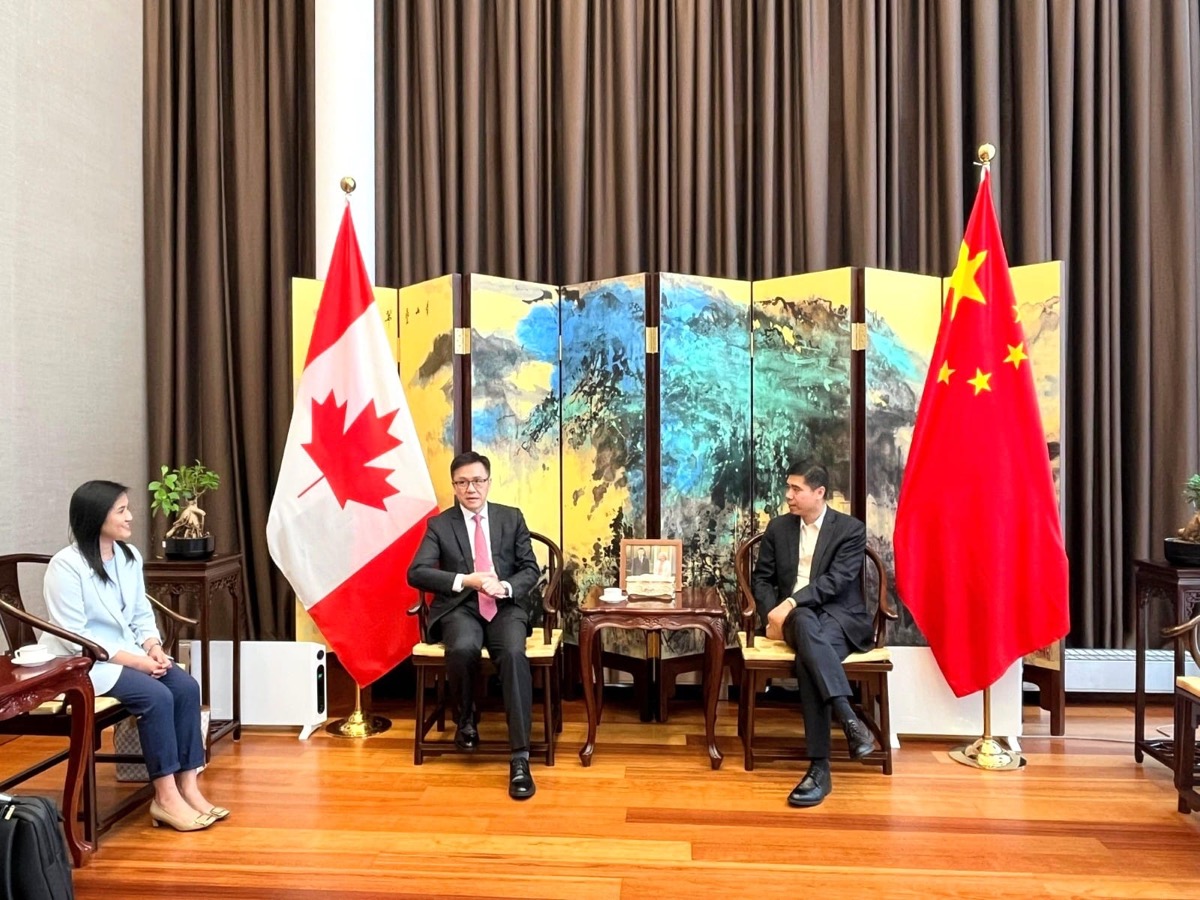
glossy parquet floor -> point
(331, 818)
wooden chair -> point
(17, 625)
(764, 659)
(543, 647)
(1187, 717)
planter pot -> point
(189, 548)
(1182, 553)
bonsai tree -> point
(177, 493)
(1191, 490)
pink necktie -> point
(483, 563)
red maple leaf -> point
(342, 453)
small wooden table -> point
(23, 688)
(1158, 581)
(702, 608)
(204, 577)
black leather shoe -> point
(520, 782)
(858, 738)
(466, 736)
(813, 788)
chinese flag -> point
(354, 491)
(979, 548)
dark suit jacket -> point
(448, 550)
(835, 583)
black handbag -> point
(33, 852)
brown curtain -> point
(566, 141)
(229, 221)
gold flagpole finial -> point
(348, 184)
(986, 153)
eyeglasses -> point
(461, 484)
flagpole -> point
(987, 752)
(356, 725)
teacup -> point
(32, 653)
(613, 593)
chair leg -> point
(749, 700)
(419, 718)
(1185, 749)
(439, 684)
(548, 713)
(885, 724)
(557, 681)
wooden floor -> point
(331, 818)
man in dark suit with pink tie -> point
(477, 560)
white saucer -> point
(619, 599)
(40, 661)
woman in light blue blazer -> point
(95, 588)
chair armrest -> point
(420, 609)
(1189, 630)
(90, 648)
(179, 618)
(552, 595)
(741, 569)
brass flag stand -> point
(987, 752)
(358, 725)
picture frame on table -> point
(646, 556)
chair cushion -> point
(535, 646)
(768, 650)
(59, 705)
(1189, 683)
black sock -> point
(818, 763)
(842, 709)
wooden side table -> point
(702, 608)
(204, 578)
(23, 688)
(1157, 581)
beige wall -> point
(72, 324)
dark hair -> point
(90, 505)
(814, 476)
(466, 459)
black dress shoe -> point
(520, 782)
(813, 788)
(858, 738)
(466, 736)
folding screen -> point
(515, 386)
(902, 314)
(801, 397)
(604, 478)
(704, 430)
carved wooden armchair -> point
(18, 626)
(543, 648)
(764, 659)
(1187, 717)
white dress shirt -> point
(469, 518)
(808, 543)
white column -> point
(345, 123)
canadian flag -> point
(354, 490)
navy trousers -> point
(820, 646)
(168, 718)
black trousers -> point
(820, 646)
(464, 633)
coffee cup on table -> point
(32, 653)
(613, 593)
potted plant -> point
(177, 493)
(1184, 550)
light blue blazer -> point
(115, 616)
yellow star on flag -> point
(962, 282)
(980, 381)
(945, 372)
(1016, 354)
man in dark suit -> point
(808, 593)
(477, 561)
